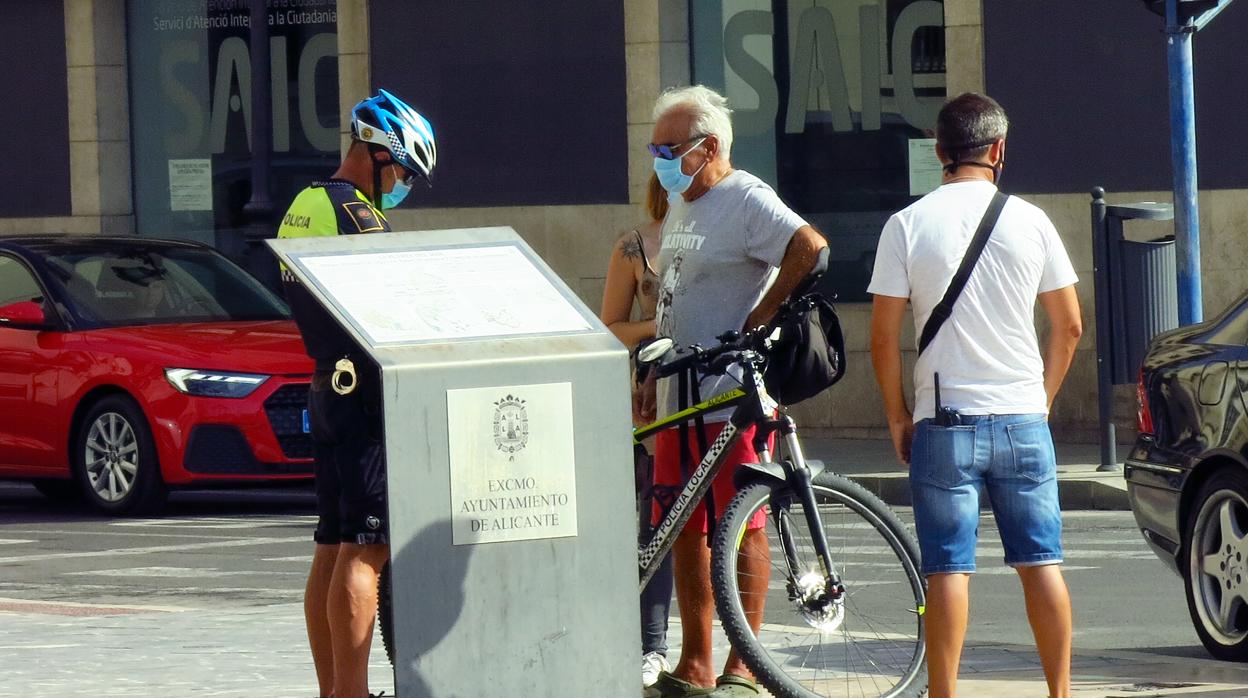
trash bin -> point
(1150, 295)
(1136, 285)
(1136, 297)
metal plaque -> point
(513, 470)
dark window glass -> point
(1231, 327)
(148, 285)
(34, 125)
(17, 284)
(830, 100)
(528, 99)
(1096, 111)
(190, 77)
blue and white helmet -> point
(390, 123)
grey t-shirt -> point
(720, 254)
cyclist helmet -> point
(389, 123)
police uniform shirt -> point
(331, 207)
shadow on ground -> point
(1190, 651)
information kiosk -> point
(512, 524)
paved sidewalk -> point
(1013, 671)
(82, 651)
(79, 651)
(874, 464)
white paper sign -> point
(925, 169)
(513, 470)
(190, 185)
(455, 293)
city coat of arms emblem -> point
(511, 425)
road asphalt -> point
(205, 600)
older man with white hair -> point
(732, 252)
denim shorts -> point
(1008, 457)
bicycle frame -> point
(753, 406)
(651, 554)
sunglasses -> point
(406, 176)
(667, 151)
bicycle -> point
(822, 634)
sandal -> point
(734, 686)
(668, 686)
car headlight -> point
(213, 383)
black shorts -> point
(350, 464)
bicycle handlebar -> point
(731, 341)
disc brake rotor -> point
(819, 611)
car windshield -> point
(146, 285)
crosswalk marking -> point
(213, 522)
(1010, 570)
(118, 552)
(177, 573)
(10, 602)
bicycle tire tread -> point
(740, 635)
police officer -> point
(392, 147)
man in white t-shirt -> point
(991, 371)
(731, 253)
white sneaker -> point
(652, 663)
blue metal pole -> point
(1183, 161)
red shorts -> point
(669, 481)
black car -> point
(1187, 476)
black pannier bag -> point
(808, 355)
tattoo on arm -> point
(630, 248)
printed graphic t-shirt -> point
(986, 352)
(720, 253)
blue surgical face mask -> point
(395, 196)
(672, 177)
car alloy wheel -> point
(1216, 564)
(111, 457)
(115, 460)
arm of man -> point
(887, 314)
(799, 258)
(1062, 308)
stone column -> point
(354, 78)
(99, 117)
(964, 46)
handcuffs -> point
(344, 368)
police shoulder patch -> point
(365, 218)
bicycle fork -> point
(800, 482)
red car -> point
(129, 366)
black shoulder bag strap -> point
(945, 307)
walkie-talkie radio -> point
(945, 416)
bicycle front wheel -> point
(800, 640)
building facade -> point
(135, 117)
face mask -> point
(673, 179)
(395, 196)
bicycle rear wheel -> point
(801, 644)
(385, 611)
